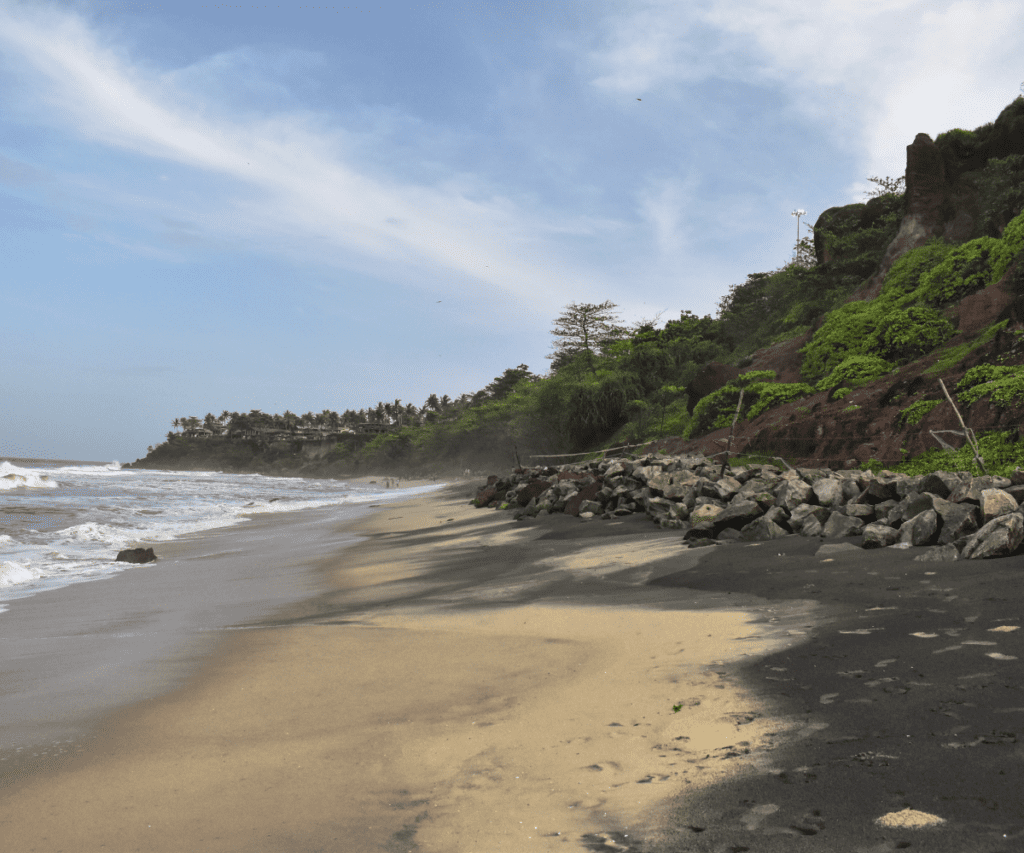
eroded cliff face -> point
(941, 200)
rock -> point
(841, 525)
(778, 515)
(803, 514)
(829, 492)
(727, 534)
(587, 493)
(792, 493)
(738, 514)
(940, 553)
(865, 512)
(979, 484)
(593, 507)
(484, 496)
(994, 503)
(999, 538)
(760, 529)
(958, 521)
(922, 529)
(924, 501)
(705, 514)
(724, 489)
(136, 555)
(880, 490)
(830, 548)
(878, 535)
(940, 483)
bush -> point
(1000, 185)
(915, 413)
(1004, 383)
(772, 394)
(1001, 452)
(965, 270)
(855, 370)
(760, 393)
(906, 334)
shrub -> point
(915, 413)
(904, 277)
(772, 394)
(966, 269)
(1001, 187)
(906, 334)
(1001, 452)
(855, 370)
(845, 332)
(1004, 383)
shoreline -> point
(447, 641)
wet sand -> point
(463, 682)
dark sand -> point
(466, 682)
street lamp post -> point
(798, 213)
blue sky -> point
(209, 206)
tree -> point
(582, 328)
(895, 186)
(503, 385)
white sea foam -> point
(13, 477)
(55, 536)
(12, 573)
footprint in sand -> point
(604, 765)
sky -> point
(304, 207)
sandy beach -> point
(466, 683)
(460, 686)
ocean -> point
(64, 522)
(82, 635)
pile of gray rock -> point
(960, 516)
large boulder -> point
(738, 514)
(136, 555)
(994, 503)
(792, 493)
(922, 529)
(878, 535)
(829, 492)
(958, 522)
(587, 493)
(841, 525)
(710, 378)
(999, 538)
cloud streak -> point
(285, 180)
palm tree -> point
(433, 403)
(446, 402)
(176, 423)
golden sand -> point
(503, 729)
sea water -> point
(64, 522)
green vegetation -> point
(954, 355)
(1002, 452)
(915, 412)
(611, 385)
(1002, 384)
(853, 371)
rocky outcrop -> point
(962, 516)
(136, 555)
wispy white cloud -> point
(871, 73)
(286, 180)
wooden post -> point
(968, 433)
(732, 429)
